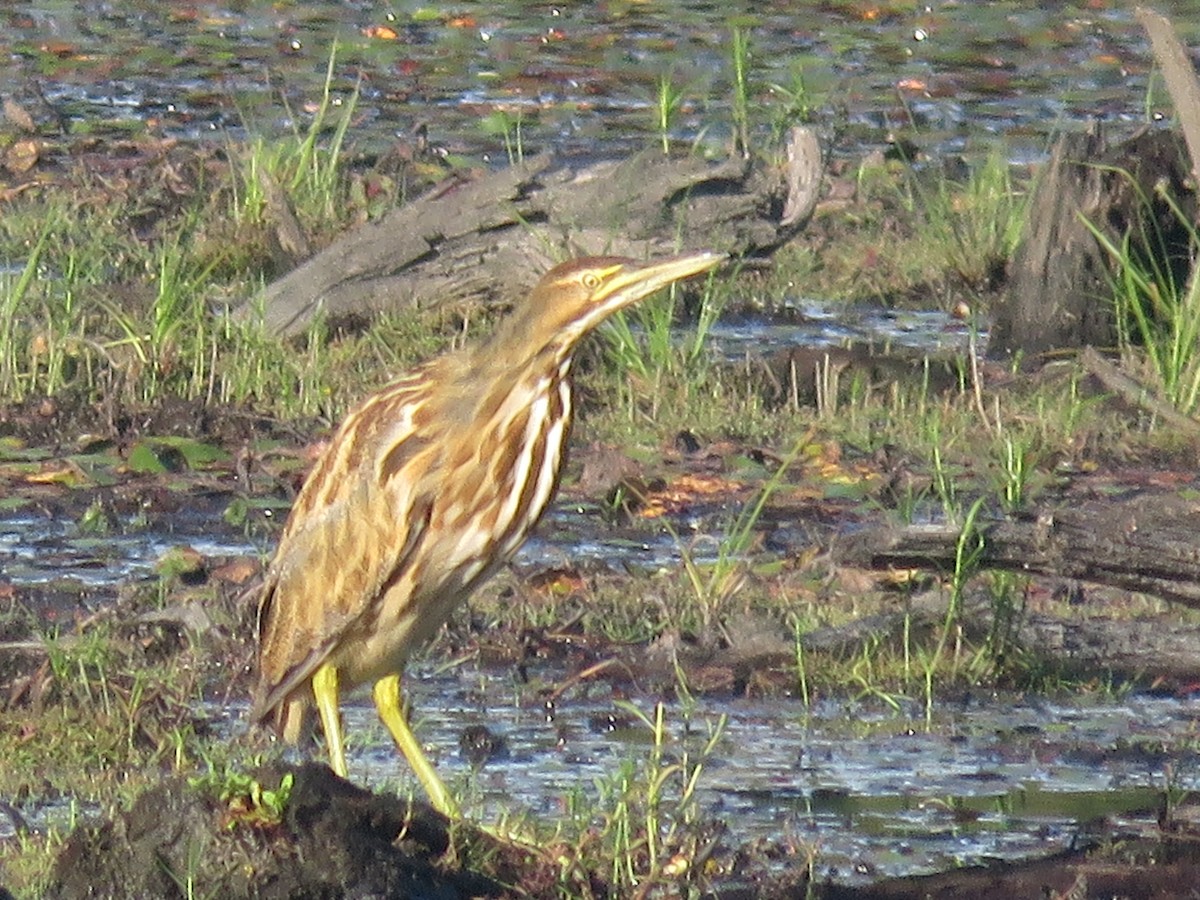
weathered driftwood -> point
(487, 241)
(1135, 393)
(1145, 543)
(1183, 86)
(1096, 643)
(1180, 76)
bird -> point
(425, 490)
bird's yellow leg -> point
(387, 702)
(325, 690)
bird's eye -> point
(590, 280)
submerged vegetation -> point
(120, 295)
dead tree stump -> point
(1059, 285)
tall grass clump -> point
(651, 831)
(170, 341)
(644, 343)
(667, 102)
(309, 167)
(92, 305)
(972, 227)
(713, 583)
(799, 104)
(739, 52)
(507, 126)
(15, 292)
(1157, 318)
(77, 267)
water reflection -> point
(816, 324)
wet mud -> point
(333, 840)
(336, 840)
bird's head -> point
(576, 296)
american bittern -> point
(427, 488)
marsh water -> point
(491, 79)
(876, 788)
(871, 790)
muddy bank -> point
(334, 840)
(329, 839)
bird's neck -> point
(498, 375)
(513, 352)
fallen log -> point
(1151, 649)
(1145, 543)
(485, 241)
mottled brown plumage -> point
(427, 488)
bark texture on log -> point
(487, 241)
(1145, 543)
(1120, 645)
(1142, 190)
(1058, 273)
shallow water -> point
(874, 789)
(585, 77)
(815, 324)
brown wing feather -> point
(356, 522)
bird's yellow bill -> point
(642, 279)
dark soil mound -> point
(335, 840)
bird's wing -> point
(360, 515)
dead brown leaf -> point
(22, 156)
(684, 490)
(18, 115)
(237, 571)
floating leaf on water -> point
(558, 582)
(13, 449)
(59, 471)
(144, 460)
(381, 32)
(157, 456)
(242, 509)
(22, 156)
(685, 490)
(15, 113)
(93, 443)
(237, 571)
(61, 49)
(99, 468)
(179, 562)
(198, 454)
